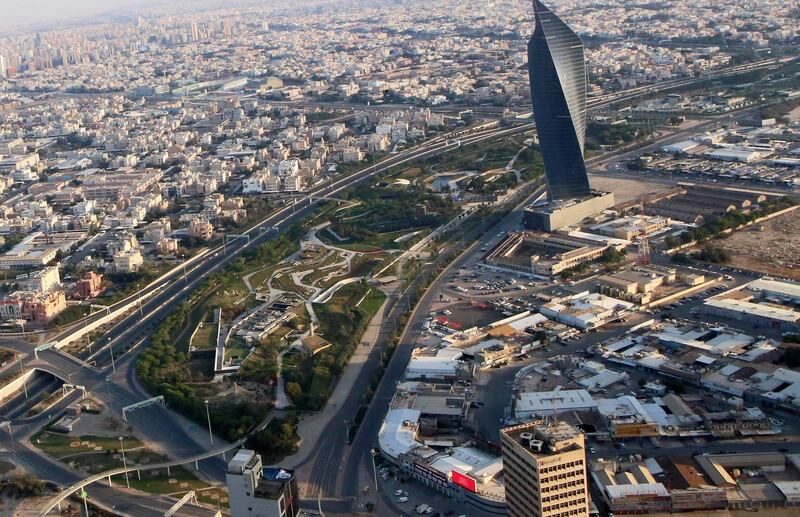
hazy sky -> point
(26, 12)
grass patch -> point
(58, 445)
(206, 336)
(179, 480)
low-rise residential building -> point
(128, 261)
(89, 286)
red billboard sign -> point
(463, 481)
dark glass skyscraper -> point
(558, 92)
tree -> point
(294, 390)
(23, 485)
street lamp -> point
(124, 462)
(372, 454)
(24, 381)
(139, 292)
(111, 349)
(208, 414)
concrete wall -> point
(11, 388)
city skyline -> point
(51, 12)
(292, 257)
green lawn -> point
(372, 302)
(59, 445)
(260, 277)
(284, 281)
(236, 349)
(206, 337)
(180, 480)
(93, 463)
(321, 383)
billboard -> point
(463, 481)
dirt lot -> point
(625, 189)
(772, 247)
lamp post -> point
(24, 381)
(139, 292)
(372, 454)
(111, 349)
(85, 319)
(208, 414)
(124, 462)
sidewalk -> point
(311, 427)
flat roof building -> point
(257, 491)
(545, 470)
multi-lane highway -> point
(116, 384)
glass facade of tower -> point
(558, 91)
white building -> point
(256, 491)
(43, 280)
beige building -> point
(545, 470)
(544, 254)
(201, 229)
(128, 261)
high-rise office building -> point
(258, 491)
(558, 92)
(544, 464)
(195, 32)
(3, 66)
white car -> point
(398, 492)
(402, 499)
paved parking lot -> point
(419, 493)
